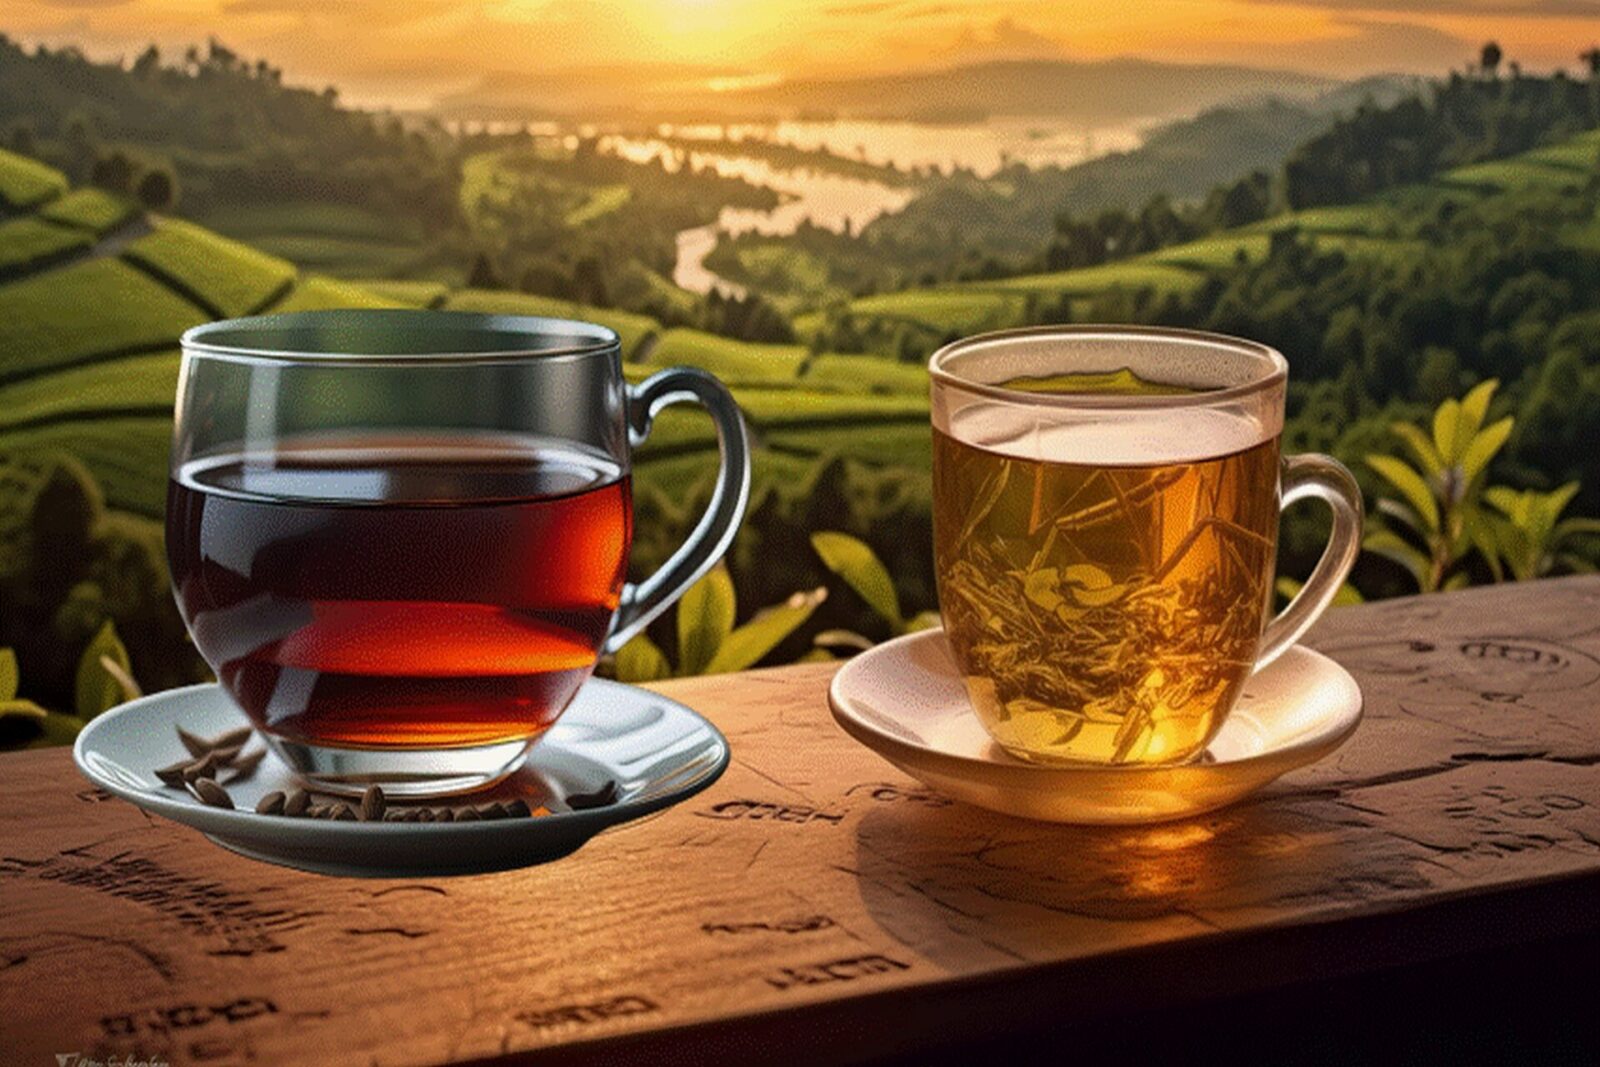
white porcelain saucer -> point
(656, 751)
(905, 700)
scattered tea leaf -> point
(204, 767)
(10, 676)
(1040, 587)
(234, 739)
(210, 793)
(244, 766)
(172, 774)
(271, 804)
(197, 746)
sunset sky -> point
(405, 50)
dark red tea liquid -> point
(401, 593)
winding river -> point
(837, 201)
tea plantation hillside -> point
(1373, 228)
(94, 295)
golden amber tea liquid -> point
(1104, 602)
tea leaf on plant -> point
(746, 645)
(640, 660)
(1481, 533)
(1483, 447)
(1421, 446)
(10, 677)
(12, 708)
(1474, 408)
(841, 639)
(1446, 424)
(1400, 475)
(1347, 596)
(57, 729)
(705, 619)
(97, 689)
(1391, 546)
(862, 571)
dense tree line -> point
(228, 128)
(1468, 117)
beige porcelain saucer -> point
(905, 700)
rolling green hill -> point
(1370, 228)
(94, 295)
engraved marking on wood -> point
(809, 924)
(205, 907)
(845, 970)
(763, 810)
(1502, 669)
(887, 793)
(185, 1017)
(589, 1014)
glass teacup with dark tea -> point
(401, 538)
(1105, 512)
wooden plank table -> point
(815, 904)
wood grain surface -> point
(815, 904)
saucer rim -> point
(229, 822)
(897, 749)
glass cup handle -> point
(706, 543)
(1325, 478)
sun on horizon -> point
(380, 52)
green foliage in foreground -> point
(708, 642)
(1438, 519)
(859, 567)
(1532, 536)
(74, 575)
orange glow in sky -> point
(405, 50)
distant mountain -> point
(1100, 92)
(1184, 160)
(1093, 93)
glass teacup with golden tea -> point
(1105, 514)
